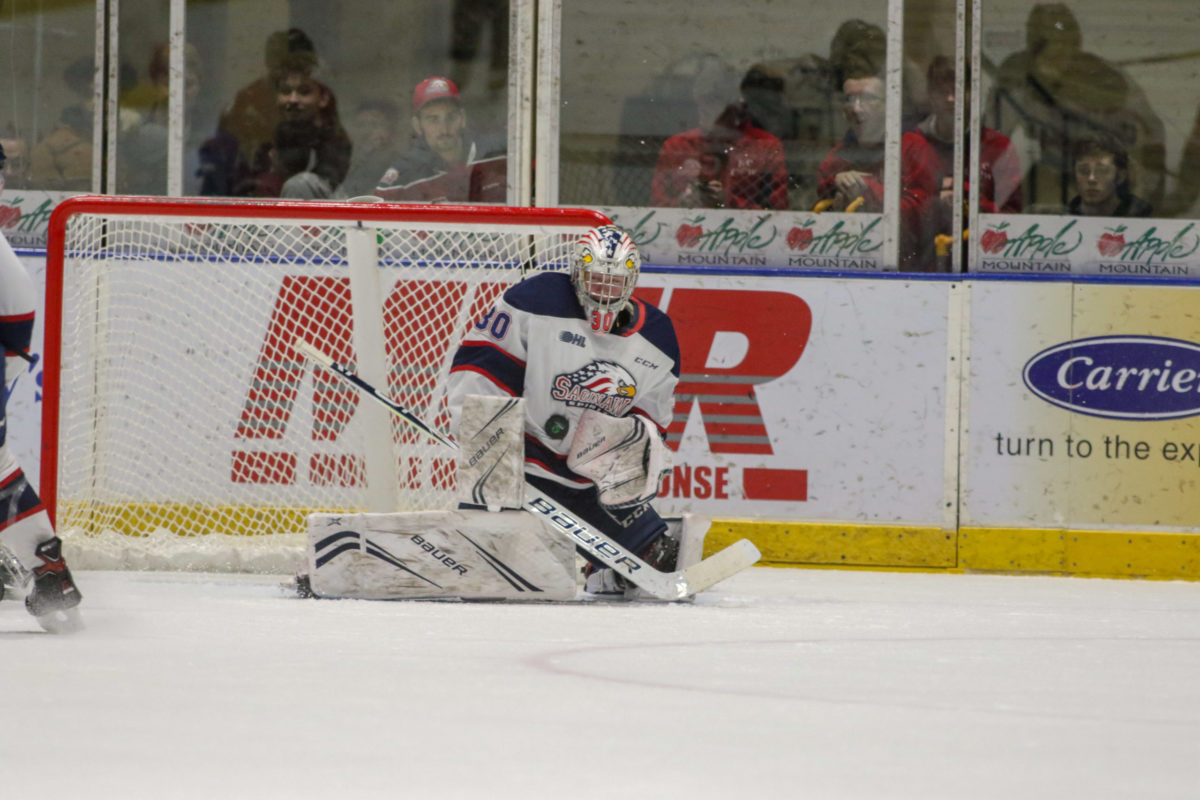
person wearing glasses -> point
(851, 176)
(1101, 167)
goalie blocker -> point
(476, 554)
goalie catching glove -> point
(623, 456)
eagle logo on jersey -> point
(601, 385)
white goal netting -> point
(190, 434)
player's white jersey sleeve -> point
(491, 358)
(17, 301)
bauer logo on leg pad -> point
(438, 555)
(491, 461)
(461, 554)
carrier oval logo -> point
(1122, 377)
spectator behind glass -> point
(294, 159)
(62, 160)
(999, 165)
(725, 162)
(304, 126)
(1053, 91)
(142, 161)
(445, 162)
(15, 171)
(251, 119)
(1187, 185)
(853, 169)
(816, 124)
(374, 128)
(1102, 176)
(860, 48)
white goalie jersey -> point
(535, 343)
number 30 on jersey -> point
(602, 322)
(496, 323)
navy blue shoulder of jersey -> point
(660, 332)
(549, 294)
(16, 332)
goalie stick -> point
(662, 585)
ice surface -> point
(777, 683)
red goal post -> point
(174, 403)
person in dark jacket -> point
(1102, 178)
(445, 162)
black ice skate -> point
(663, 553)
(54, 596)
(599, 581)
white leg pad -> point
(491, 456)
(693, 528)
(438, 554)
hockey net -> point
(182, 430)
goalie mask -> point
(604, 273)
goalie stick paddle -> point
(662, 585)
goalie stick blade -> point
(719, 566)
(312, 353)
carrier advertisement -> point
(811, 399)
(1083, 406)
(1047, 245)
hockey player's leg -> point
(467, 554)
(626, 459)
(662, 554)
(639, 529)
(54, 597)
(13, 577)
(50, 593)
(31, 555)
(655, 546)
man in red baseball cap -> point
(444, 162)
(440, 119)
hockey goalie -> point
(567, 384)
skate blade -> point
(61, 621)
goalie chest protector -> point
(536, 344)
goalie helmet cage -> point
(174, 402)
